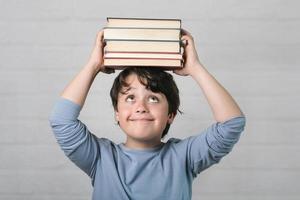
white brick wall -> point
(252, 47)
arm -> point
(218, 140)
(222, 104)
(72, 135)
(77, 90)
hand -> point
(191, 60)
(96, 59)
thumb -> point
(179, 72)
(108, 70)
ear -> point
(116, 116)
(171, 118)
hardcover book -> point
(143, 42)
(143, 22)
(142, 46)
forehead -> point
(132, 81)
(131, 78)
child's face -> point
(141, 113)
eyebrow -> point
(124, 90)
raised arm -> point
(221, 102)
(77, 90)
(72, 135)
(217, 140)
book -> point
(125, 62)
(159, 34)
(139, 55)
(142, 46)
(143, 42)
(143, 22)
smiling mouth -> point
(142, 119)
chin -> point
(143, 137)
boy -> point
(145, 101)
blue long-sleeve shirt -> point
(164, 172)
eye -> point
(129, 98)
(153, 99)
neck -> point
(135, 144)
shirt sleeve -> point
(214, 143)
(78, 144)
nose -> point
(141, 107)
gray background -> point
(252, 47)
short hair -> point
(155, 79)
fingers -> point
(100, 34)
(186, 37)
(185, 32)
(186, 40)
(99, 38)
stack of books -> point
(143, 42)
